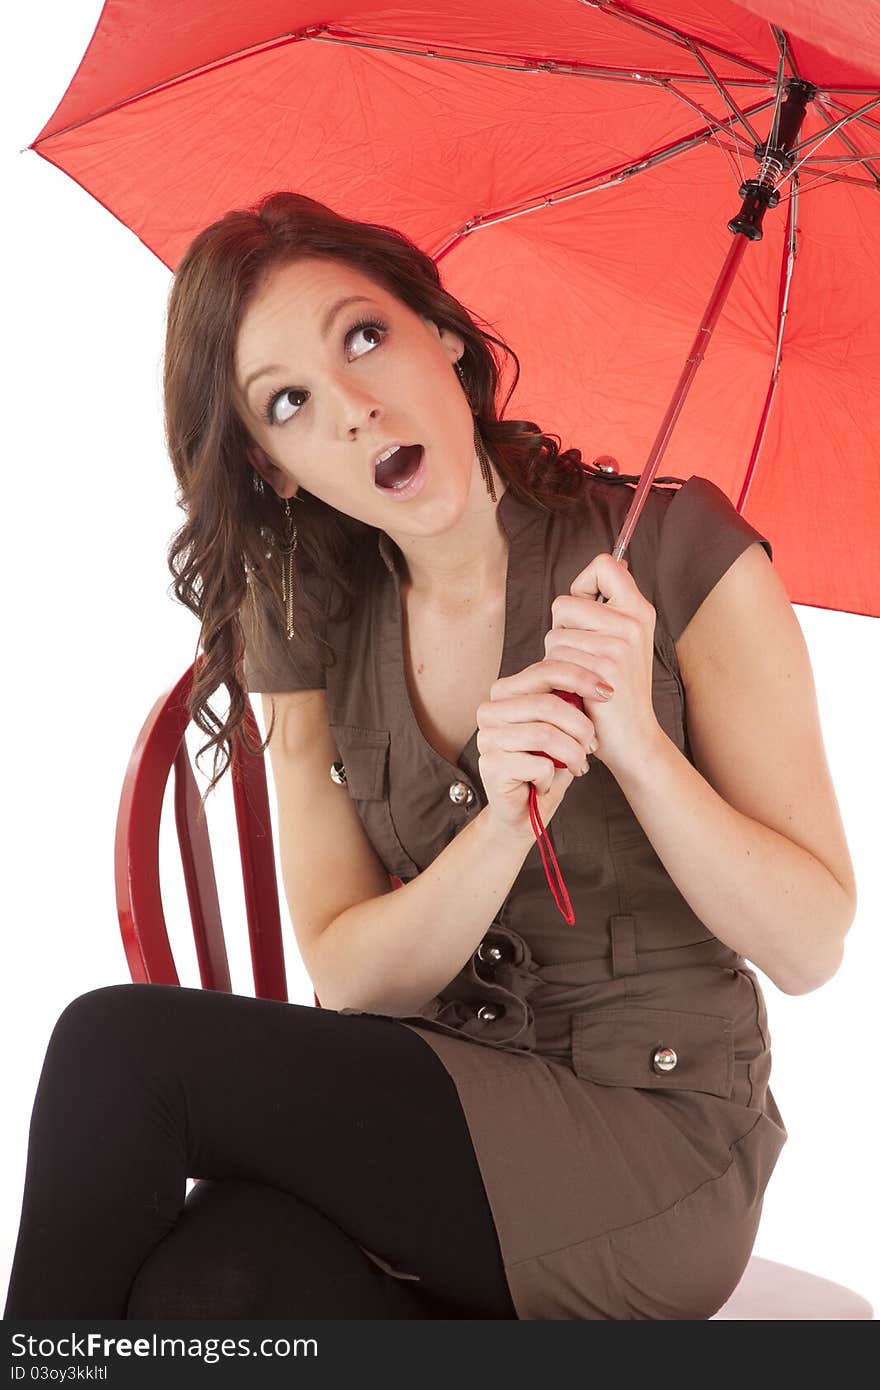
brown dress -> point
(619, 1190)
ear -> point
(453, 344)
(278, 481)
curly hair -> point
(227, 551)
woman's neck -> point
(458, 572)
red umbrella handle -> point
(534, 814)
(572, 699)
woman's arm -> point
(751, 835)
(394, 953)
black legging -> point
(311, 1130)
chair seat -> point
(773, 1292)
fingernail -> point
(594, 745)
(604, 691)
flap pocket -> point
(657, 1049)
(364, 754)
(365, 757)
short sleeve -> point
(701, 535)
(272, 663)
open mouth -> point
(395, 472)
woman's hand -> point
(611, 642)
(590, 643)
(523, 714)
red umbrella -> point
(606, 180)
(575, 167)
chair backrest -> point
(161, 746)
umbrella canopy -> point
(573, 167)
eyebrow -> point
(326, 325)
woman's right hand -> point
(523, 714)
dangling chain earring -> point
(485, 466)
(287, 547)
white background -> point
(93, 637)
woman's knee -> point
(104, 1021)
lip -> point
(412, 487)
(392, 444)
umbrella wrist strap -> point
(543, 838)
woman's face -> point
(320, 405)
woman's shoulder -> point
(686, 536)
(597, 516)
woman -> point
(578, 1122)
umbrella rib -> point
(322, 33)
(855, 158)
(780, 79)
(625, 14)
(819, 140)
(849, 92)
(713, 128)
(838, 125)
(612, 177)
(528, 63)
(786, 277)
(781, 39)
(873, 126)
(178, 79)
(836, 129)
(829, 177)
(831, 174)
(845, 140)
(724, 94)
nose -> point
(354, 407)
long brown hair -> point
(226, 553)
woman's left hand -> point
(616, 641)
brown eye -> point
(374, 326)
(277, 396)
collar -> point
(513, 512)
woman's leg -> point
(245, 1250)
(146, 1085)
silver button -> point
(492, 953)
(665, 1059)
(337, 774)
(486, 1013)
(461, 794)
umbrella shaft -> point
(692, 362)
(759, 194)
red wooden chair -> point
(160, 746)
(767, 1291)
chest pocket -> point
(656, 1049)
(364, 754)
